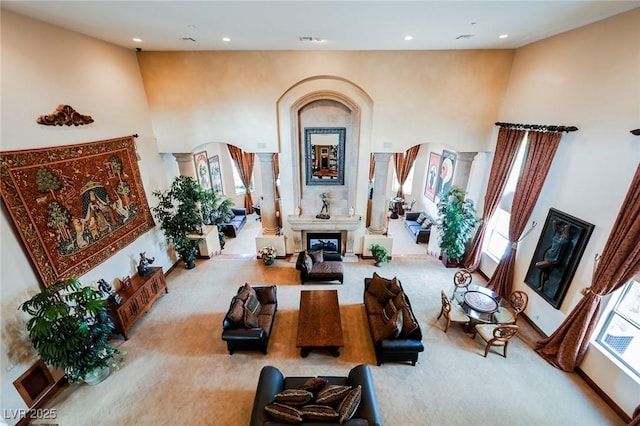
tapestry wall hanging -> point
(74, 206)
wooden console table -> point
(137, 300)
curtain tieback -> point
(585, 291)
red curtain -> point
(244, 163)
(403, 164)
(372, 166)
(620, 262)
(507, 146)
(541, 150)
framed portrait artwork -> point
(202, 169)
(557, 255)
(445, 173)
(431, 184)
(216, 175)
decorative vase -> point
(189, 264)
(268, 260)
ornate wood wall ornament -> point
(64, 114)
(74, 206)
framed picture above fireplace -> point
(331, 242)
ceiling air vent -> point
(464, 36)
(188, 39)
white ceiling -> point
(344, 25)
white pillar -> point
(380, 202)
(186, 166)
(268, 202)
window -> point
(408, 183)
(620, 333)
(497, 233)
(239, 186)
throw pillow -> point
(294, 397)
(308, 262)
(283, 412)
(394, 286)
(426, 224)
(250, 319)
(349, 404)
(393, 328)
(389, 310)
(332, 393)
(236, 311)
(245, 291)
(409, 322)
(252, 304)
(231, 215)
(317, 255)
(321, 413)
(400, 300)
(314, 384)
(379, 287)
(421, 218)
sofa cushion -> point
(266, 295)
(316, 255)
(332, 393)
(294, 397)
(349, 404)
(314, 384)
(389, 310)
(308, 262)
(393, 327)
(379, 287)
(322, 413)
(283, 412)
(236, 312)
(371, 304)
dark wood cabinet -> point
(137, 300)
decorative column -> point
(462, 170)
(268, 202)
(186, 166)
(380, 202)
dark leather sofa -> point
(240, 336)
(272, 381)
(403, 347)
(420, 234)
(236, 223)
(323, 267)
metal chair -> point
(495, 335)
(450, 312)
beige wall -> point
(588, 78)
(43, 66)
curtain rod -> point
(547, 128)
(635, 132)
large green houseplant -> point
(180, 214)
(456, 223)
(216, 210)
(70, 329)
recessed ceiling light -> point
(408, 37)
(137, 40)
(503, 36)
(226, 39)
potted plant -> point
(456, 222)
(268, 255)
(180, 214)
(216, 210)
(70, 328)
(379, 253)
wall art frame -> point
(216, 175)
(201, 162)
(557, 255)
(74, 206)
(431, 184)
(445, 172)
(324, 155)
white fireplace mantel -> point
(337, 223)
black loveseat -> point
(236, 223)
(395, 331)
(416, 228)
(319, 265)
(247, 325)
(272, 382)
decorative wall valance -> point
(539, 127)
(64, 114)
(74, 206)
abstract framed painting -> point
(557, 255)
(445, 173)
(216, 175)
(431, 184)
(74, 206)
(202, 169)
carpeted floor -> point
(178, 370)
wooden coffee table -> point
(319, 324)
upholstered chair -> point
(518, 301)
(495, 335)
(451, 313)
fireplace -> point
(328, 241)
(339, 226)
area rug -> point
(74, 206)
